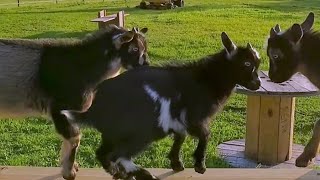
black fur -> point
(297, 50)
(128, 117)
(68, 71)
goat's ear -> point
(277, 28)
(123, 38)
(134, 29)
(308, 23)
(296, 33)
(144, 30)
(273, 33)
(227, 43)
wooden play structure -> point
(104, 19)
(161, 4)
(269, 126)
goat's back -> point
(18, 68)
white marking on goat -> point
(128, 165)
(68, 114)
(166, 122)
(257, 54)
(152, 93)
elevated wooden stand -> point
(270, 118)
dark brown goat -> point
(45, 76)
(297, 50)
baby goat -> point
(148, 103)
(291, 51)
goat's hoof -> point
(177, 166)
(76, 166)
(303, 161)
(70, 176)
(200, 169)
(121, 175)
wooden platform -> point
(51, 173)
(233, 153)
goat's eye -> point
(248, 64)
(275, 56)
(135, 49)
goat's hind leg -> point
(175, 161)
(312, 148)
(103, 154)
(122, 154)
(71, 141)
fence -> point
(19, 3)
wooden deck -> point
(53, 173)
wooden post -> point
(269, 126)
(18, 3)
(101, 14)
(120, 19)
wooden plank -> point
(231, 152)
(271, 87)
(297, 86)
(252, 127)
(32, 173)
(285, 131)
(268, 130)
(293, 109)
(107, 18)
(303, 81)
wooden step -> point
(53, 173)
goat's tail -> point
(74, 116)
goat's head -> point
(283, 49)
(132, 47)
(244, 63)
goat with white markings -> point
(297, 50)
(45, 76)
(148, 103)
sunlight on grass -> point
(174, 35)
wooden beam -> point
(53, 173)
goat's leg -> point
(176, 163)
(122, 154)
(71, 140)
(103, 154)
(312, 148)
(199, 153)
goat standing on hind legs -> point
(176, 99)
(297, 50)
(45, 76)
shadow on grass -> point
(58, 34)
(287, 6)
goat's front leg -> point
(71, 140)
(176, 163)
(312, 148)
(199, 154)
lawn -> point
(174, 35)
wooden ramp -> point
(53, 173)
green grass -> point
(180, 34)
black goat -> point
(46, 76)
(147, 103)
(291, 51)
